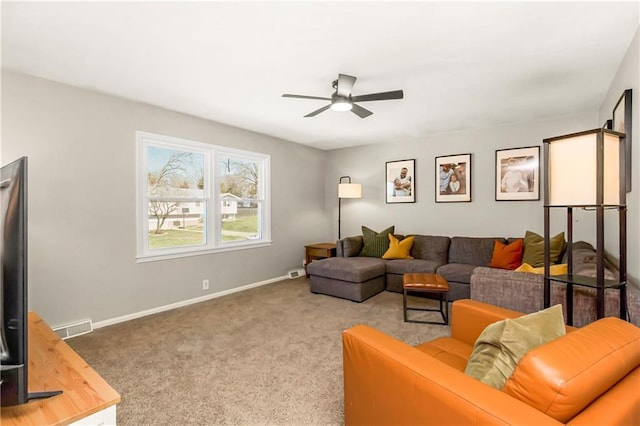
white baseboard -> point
(164, 308)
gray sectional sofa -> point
(357, 278)
(463, 261)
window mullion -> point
(213, 224)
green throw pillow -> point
(375, 243)
(534, 249)
(501, 345)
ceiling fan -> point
(341, 99)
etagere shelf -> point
(592, 179)
(598, 282)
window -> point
(197, 198)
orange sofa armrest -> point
(561, 378)
(470, 317)
(388, 382)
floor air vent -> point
(296, 273)
(75, 329)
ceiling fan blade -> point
(360, 112)
(287, 95)
(345, 84)
(318, 111)
(395, 94)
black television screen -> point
(13, 283)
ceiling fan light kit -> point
(341, 105)
(341, 99)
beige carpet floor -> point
(269, 355)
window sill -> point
(245, 246)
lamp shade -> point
(349, 190)
(585, 169)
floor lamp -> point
(586, 170)
(347, 190)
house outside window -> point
(196, 198)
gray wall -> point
(627, 77)
(482, 217)
(82, 221)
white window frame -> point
(212, 228)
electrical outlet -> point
(205, 284)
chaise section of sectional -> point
(352, 278)
(523, 291)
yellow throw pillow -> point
(398, 249)
(502, 344)
(553, 270)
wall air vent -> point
(75, 329)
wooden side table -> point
(318, 251)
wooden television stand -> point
(86, 397)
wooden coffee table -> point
(318, 251)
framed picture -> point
(401, 181)
(453, 179)
(622, 123)
(518, 174)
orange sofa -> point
(590, 376)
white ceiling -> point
(461, 65)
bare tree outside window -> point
(174, 179)
(198, 197)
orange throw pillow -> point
(507, 256)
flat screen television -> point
(13, 283)
(13, 286)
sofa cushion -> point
(375, 243)
(506, 256)
(562, 377)
(500, 346)
(398, 249)
(352, 269)
(431, 247)
(405, 266)
(584, 261)
(472, 250)
(458, 272)
(534, 248)
(450, 351)
(350, 246)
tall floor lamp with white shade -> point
(346, 190)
